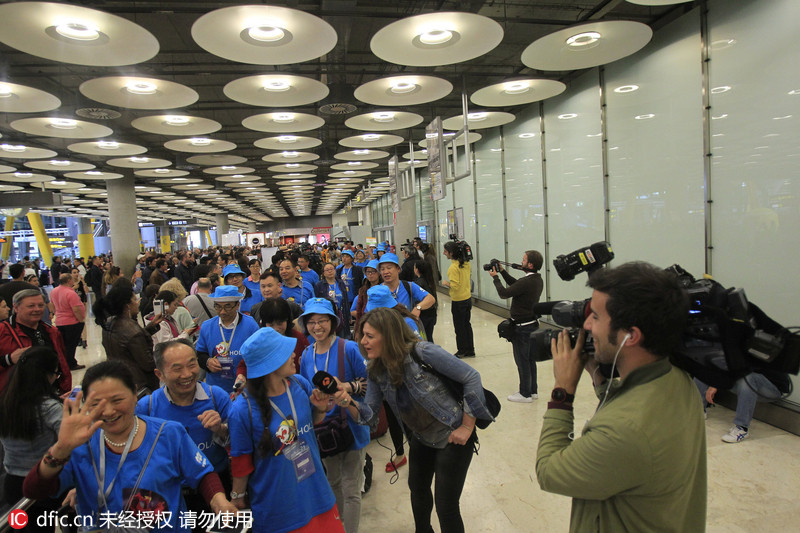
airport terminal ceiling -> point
(178, 99)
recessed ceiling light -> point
(361, 152)
(63, 123)
(277, 85)
(59, 163)
(721, 89)
(717, 117)
(286, 139)
(516, 87)
(782, 118)
(94, 173)
(567, 116)
(583, 39)
(174, 120)
(290, 155)
(626, 88)
(139, 159)
(435, 36)
(266, 33)
(161, 171)
(283, 118)
(5, 90)
(403, 86)
(477, 117)
(141, 87)
(200, 141)
(383, 116)
(78, 30)
(23, 174)
(526, 135)
(644, 117)
(58, 182)
(371, 137)
(108, 145)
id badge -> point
(300, 455)
(227, 367)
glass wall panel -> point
(654, 123)
(490, 242)
(573, 148)
(755, 107)
(522, 145)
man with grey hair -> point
(69, 315)
(200, 305)
(24, 329)
(203, 409)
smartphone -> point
(158, 307)
(74, 393)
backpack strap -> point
(407, 287)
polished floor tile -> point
(753, 485)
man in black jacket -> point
(184, 270)
(524, 294)
(410, 256)
(94, 276)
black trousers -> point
(462, 314)
(447, 468)
(72, 338)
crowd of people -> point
(235, 381)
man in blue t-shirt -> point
(309, 276)
(351, 274)
(221, 338)
(418, 300)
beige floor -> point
(753, 485)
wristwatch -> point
(238, 495)
(560, 394)
(419, 308)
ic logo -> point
(18, 519)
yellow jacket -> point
(460, 285)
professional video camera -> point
(494, 264)
(586, 259)
(464, 249)
(727, 337)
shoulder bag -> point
(334, 435)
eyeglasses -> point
(321, 322)
(226, 307)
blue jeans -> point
(750, 389)
(526, 364)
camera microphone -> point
(325, 382)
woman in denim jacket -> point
(443, 431)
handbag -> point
(506, 329)
(333, 434)
(456, 390)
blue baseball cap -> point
(380, 296)
(232, 269)
(318, 306)
(389, 258)
(372, 264)
(265, 351)
(226, 293)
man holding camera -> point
(524, 294)
(640, 464)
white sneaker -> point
(736, 434)
(519, 398)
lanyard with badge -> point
(293, 447)
(223, 349)
(346, 277)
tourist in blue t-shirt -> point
(332, 287)
(280, 468)
(233, 275)
(294, 288)
(142, 462)
(201, 408)
(218, 345)
(417, 300)
(341, 359)
(251, 281)
(308, 275)
(351, 274)
(361, 259)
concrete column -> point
(251, 227)
(222, 226)
(85, 237)
(124, 225)
(42, 240)
(6, 253)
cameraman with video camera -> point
(640, 463)
(524, 294)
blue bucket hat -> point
(381, 247)
(232, 269)
(226, 293)
(389, 258)
(265, 351)
(372, 264)
(379, 296)
(318, 306)
(348, 252)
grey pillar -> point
(124, 226)
(222, 226)
(203, 241)
(251, 227)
